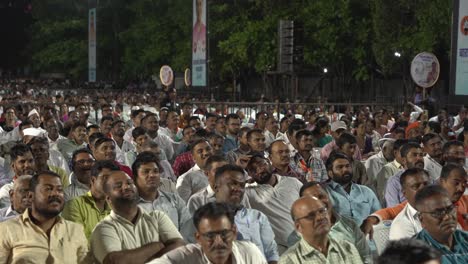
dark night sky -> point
(15, 18)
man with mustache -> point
(122, 146)
(81, 163)
(312, 168)
(151, 123)
(90, 208)
(453, 151)
(128, 234)
(280, 156)
(233, 124)
(348, 198)
(104, 149)
(76, 139)
(312, 220)
(438, 218)
(22, 163)
(347, 144)
(19, 198)
(412, 156)
(40, 235)
(406, 224)
(342, 227)
(433, 159)
(147, 171)
(252, 225)
(194, 180)
(273, 195)
(454, 180)
(216, 236)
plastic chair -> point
(381, 233)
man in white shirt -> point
(290, 136)
(207, 194)
(195, 179)
(271, 130)
(151, 123)
(273, 195)
(19, 198)
(433, 158)
(376, 162)
(407, 224)
(216, 233)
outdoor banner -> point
(92, 45)
(460, 51)
(425, 69)
(199, 44)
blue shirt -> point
(459, 253)
(252, 225)
(230, 143)
(393, 191)
(358, 204)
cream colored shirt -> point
(243, 252)
(21, 241)
(116, 233)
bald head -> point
(311, 218)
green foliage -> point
(350, 37)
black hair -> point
(209, 115)
(95, 136)
(345, 138)
(117, 122)
(303, 133)
(143, 158)
(428, 137)
(253, 159)
(335, 155)
(26, 122)
(88, 128)
(35, 179)
(296, 125)
(257, 115)
(38, 140)
(410, 172)
(212, 159)
(405, 149)
(252, 131)
(448, 168)
(213, 211)
(228, 167)
(427, 192)
(193, 118)
(434, 126)
(399, 143)
(232, 116)
(19, 150)
(76, 153)
(408, 251)
(101, 141)
(196, 142)
(103, 164)
(104, 118)
(243, 131)
(449, 144)
(306, 186)
(138, 131)
(136, 112)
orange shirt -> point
(462, 212)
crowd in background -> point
(140, 175)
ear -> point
(11, 192)
(234, 229)
(30, 195)
(330, 173)
(198, 237)
(298, 227)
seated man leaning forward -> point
(216, 233)
(128, 234)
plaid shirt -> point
(183, 163)
(312, 170)
(292, 172)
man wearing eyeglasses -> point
(312, 220)
(438, 218)
(342, 227)
(407, 224)
(81, 163)
(216, 237)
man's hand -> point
(367, 225)
(243, 160)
